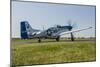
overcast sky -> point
(46, 15)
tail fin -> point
(26, 30)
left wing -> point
(74, 31)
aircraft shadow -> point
(66, 41)
(47, 41)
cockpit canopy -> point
(64, 27)
(58, 26)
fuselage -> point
(52, 32)
(28, 32)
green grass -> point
(51, 52)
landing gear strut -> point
(72, 37)
(58, 38)
(39, 40)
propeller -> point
(70, 27)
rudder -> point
(24, 34)
(26, 30)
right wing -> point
(74, 31)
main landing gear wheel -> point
(72, 37)
(39, 40)
(58, 38)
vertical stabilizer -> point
(26, 30)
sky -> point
(45, 15)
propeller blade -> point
(69, 23)
(73, 25)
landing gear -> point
(72, 37)
(58, 38)
(39, 40)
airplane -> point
(27, 32)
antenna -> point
(43, 27)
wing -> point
(74, 31)
(40, 34)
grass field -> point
(30, 52)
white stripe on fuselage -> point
(59, 32)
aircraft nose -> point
(70, 27)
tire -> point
(39, 40)
(58, 38)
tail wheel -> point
(58, 38)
